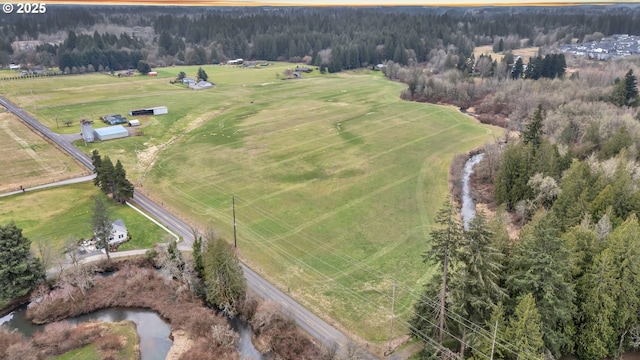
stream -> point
(152, 329)
(468, 210)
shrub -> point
(110, 342)
(21, 351)
(8, 338)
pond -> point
(153, 330)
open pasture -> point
(336, 180)
(27, 160)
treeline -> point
(339, 38)
(568, 282)
(568, 285)
(96, 53)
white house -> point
(204, 84)
(14, 67)
(119, 233)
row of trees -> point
(551, 66)
(111, 179)
(401, 35)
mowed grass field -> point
(59, 214)
(336, 180)
(28, 160)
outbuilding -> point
(159, 110)
(86, 129)
(134, 122)
(110, 132)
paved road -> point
(312, 324)
(57, 138)
(58, 183)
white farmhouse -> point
(119, 233)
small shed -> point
(134, 122)
(111, 132)
(152, 73)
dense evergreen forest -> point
(338, 38)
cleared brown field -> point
(526, 53)
(27, 160)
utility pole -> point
(57, 127)
(233, 201)
(493, 343)
(393, 303)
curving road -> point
(309, 322)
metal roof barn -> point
(111, 132)
(159, 110)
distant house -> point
(110, 133)
(152, 73)
(126, 73)
(235, 62)
(119, 233)
(201, 85)
(303, 69)
(14, 67)
(189, 81)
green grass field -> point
(126, 330)
(58, 214)
(336, 179)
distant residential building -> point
(203, 83)
(14, 67)
(611, 47)
(189, 81)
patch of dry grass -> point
(27, 159)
